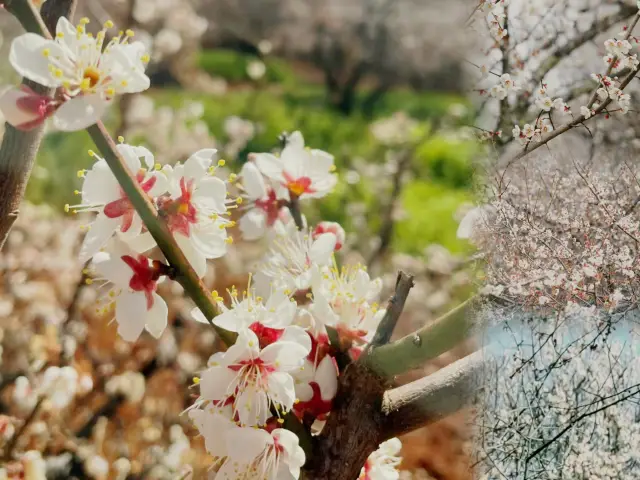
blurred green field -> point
(441, 167)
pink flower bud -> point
(25, 109)
(331, 227)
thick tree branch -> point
(429, 342)
(18, 149)
(431, 398)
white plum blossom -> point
(382, 464)
(134, 296)
(331, 227)
(260, 204)
(262, 455)
(24, 395)
(254, 378)
(294, 256)
(304, 173)
(346, 299)
(87, 76)
(101, 193)
(193, 208)
(316, 386)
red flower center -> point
(266, 335)
(298, 186)
(123, 207)
(271, 207)
(180, 213)
(145, 276)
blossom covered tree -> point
(305, 385)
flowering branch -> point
(25, 425)
(186, 275)
(424, 344)
(433, 397)
(19, 148)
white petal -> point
(252, 181)
(212, 193)
(146, 155)
(253, 223)
(102, 229)
(9, 108)
(157, 317)
(252, 404)
(80, 112)
(141, 243)
(215, 383)
(130, 156)
(197, 164)
(281, 389)
(69, 34)
(195, 258)
(227, 320)
(245, 444)
(269, 165)
(296, 139)
(286, 356)
(297, 335)
(100, 185)
(27, 58)
(327, 378)
(131, 314)
(198, 316)
(289, 441)
(322, 248)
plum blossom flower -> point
(294, 256)
(88, 77)
(330, 227)
(254, 379)
(316, 386)
(262, 455)
(102, 193)
(586, 112)
(262, 209)
(134, 281)
(24, 395)
(24, 108)
(304, 173)
(346, 299)
(194, 209)
(381, 464)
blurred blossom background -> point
(377, 83)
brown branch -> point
(404, 283)
(18, 149)
(433, 397)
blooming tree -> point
(306, 379)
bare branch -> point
(404, 283)
(431, 398)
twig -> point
(11, 444)
(404, 283)
(294, 208)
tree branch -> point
(18, 149)
(404, 283)
(429, 342)
(431, 398)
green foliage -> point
(232, 66)
(430, 212)
(446, 161)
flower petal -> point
(211, 193)
(157, 317)
(27, 58)
(215, 383)
(102, 229)
(327, 378)
(80, 112)
(270, 165)
(252, 181)
(322, 248)
(245, 444)
(9, 107)
(131, 314)
(198, 164)
(281, 389)
(195, 258)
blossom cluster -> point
(552, 250)
(282, 361)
